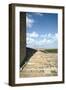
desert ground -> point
(40, 64)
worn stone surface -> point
(40, 64)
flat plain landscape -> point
(41, 63)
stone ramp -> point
(40, 64)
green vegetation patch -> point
(50, 50)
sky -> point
(41, 30)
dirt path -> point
(40, 64)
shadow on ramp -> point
(29, 54)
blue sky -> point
(42, 30)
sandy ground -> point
(40, 64)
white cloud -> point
(35, 40)
(49, 35)
(33, 34)
(29, 22)
(30, 40)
